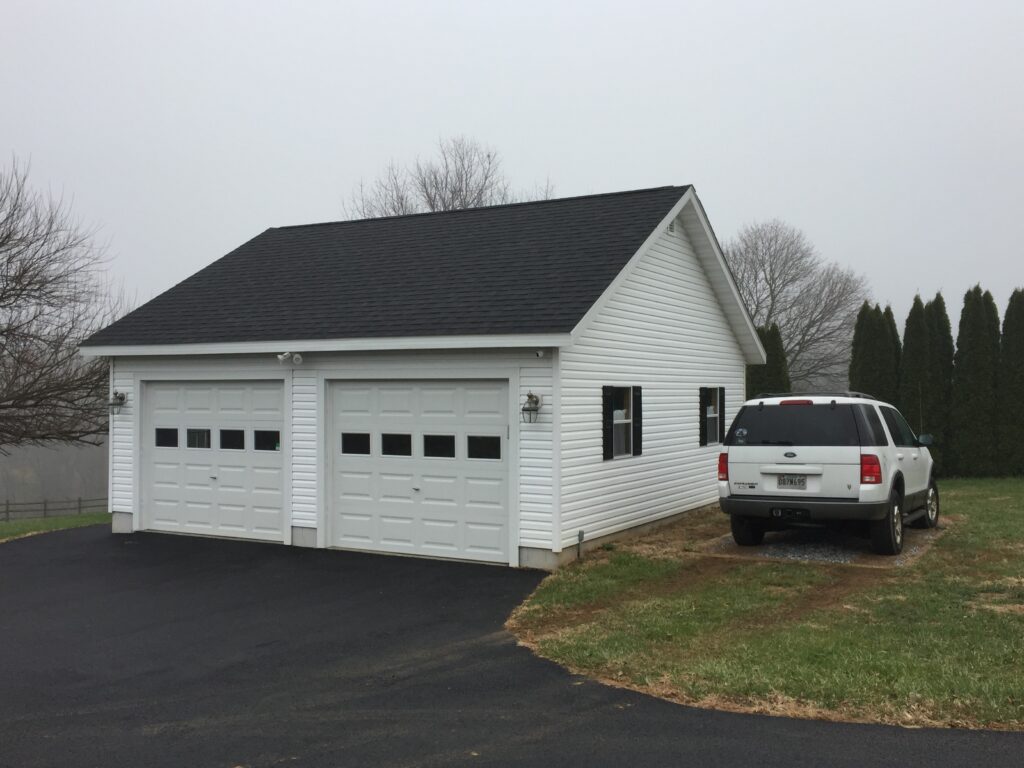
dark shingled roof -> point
(510, 269)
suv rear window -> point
(823, 424)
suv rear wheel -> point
(746, 531)
(887, 533)
(930, 518)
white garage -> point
(509, 384)
(212, 460)
(420, 468)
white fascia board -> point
(510, 341)
(752, 348)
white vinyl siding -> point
(661, 328)
(305, 439)
(122, 442)
(535, 458)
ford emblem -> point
(790, 455)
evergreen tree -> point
(940, 379)
(888, 363)
(859, 356)
(774, 375)
(1011, 387)
(915, 368)
(975, 372)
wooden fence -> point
(31, 509)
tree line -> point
(968, 396)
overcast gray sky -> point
(891, 133)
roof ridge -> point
(521, 203)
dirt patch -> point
(706, 531)
(687, 534)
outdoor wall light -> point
(116, 401)
(531, 408)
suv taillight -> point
(723, 466)
(870, 470)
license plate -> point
(796, 482)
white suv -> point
(800, 459)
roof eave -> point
(305, 346)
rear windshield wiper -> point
(776, 442)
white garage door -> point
(211, 458)
(420, 468)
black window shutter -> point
(703, 417)
(638, 421)
(721, 414)
(607, 403)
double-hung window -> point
(622, 422)
(712, 415)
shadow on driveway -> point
(157, 650)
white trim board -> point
(539, 340)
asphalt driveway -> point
(155, 650)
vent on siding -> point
(672, 226)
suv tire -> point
(930, 518)
(746, 531)
(887, 533)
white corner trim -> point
(505, 341)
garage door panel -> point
(199, 401)
(267, 403)
(485, 539)
(356, 528)
(235, 491)
(425, 502)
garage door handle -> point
(213, 477)
(415, 489)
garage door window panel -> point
(483, 447)
(355, 443)
(392, 444)
(439, 446)
(266, 439)
(232, 439)
(197, 438)
(166, 437)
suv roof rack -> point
(815, 394)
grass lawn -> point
(18, 528)
(939, 641)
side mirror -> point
(925, 440)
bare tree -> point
(783, 280)
(52, 296)
(465, 174)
